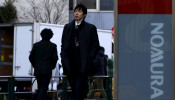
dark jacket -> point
(43, 57)
(110, 67)
(100, 64)
(89, 44)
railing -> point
(64, 95)
(11, 85)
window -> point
(94, 5)
(70, 5)
(106, 5)
(90, 4)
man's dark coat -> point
(89, 44)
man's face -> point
(78, 15)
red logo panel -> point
(145, 6)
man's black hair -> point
(46, 34)
(81, 7)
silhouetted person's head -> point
(102, 48)
(46, 34)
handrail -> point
(105, 76)
(5, 76)
(102, 76)
(29, 76)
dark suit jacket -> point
(100, 64)
(89, 44)
(43, 57)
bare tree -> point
(46, 11)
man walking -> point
(43, 58)
(79, 47)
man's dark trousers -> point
(43, 82)
(78, 84)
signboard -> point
(144, 50)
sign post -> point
(143, 50)
(115, 49)
(173, 58)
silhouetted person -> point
(100, 69)
(43, 58)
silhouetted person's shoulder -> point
(44, 44)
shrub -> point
(8, 12)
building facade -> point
(100, 12)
